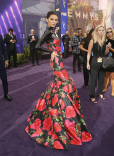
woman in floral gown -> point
(57, 119)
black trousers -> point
(66, 50)
(86, 73)
(34, 53)
(14, 53)
(96, 72)
(76, 57)
(3, 77)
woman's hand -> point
(53, 56)
(109, 45)
(88, 66)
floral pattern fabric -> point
(57, 119)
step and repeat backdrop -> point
(87, 14)
(11, 17)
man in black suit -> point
(66, 40)
(10, 40)
(3, 75)
(32, 40)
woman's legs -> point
(112, 82)
(106, 81)
(101, 82)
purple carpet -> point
(26, 83)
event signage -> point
(61, 10)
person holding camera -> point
(10, 40)
(32, 40)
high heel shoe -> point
(93, 101)
(101, 96)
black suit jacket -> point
(4, 53)
(10, 46)
(65, 38)
(33, 43)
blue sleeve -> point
(4, 52)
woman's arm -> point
(82, 47)
(107, 48)
(42, 40)
(112, 50)
(89, 53)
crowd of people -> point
(57, 119)
(92, 45)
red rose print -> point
(37, 133)
(52, 84)
(76, 141)
(27, 129)
(36, 124)
(61, 65)
(54, 100)
(57, 60)
(53, 47)
(65, 74)
(86, 136)
(77, 110)
(59, 74)
(58, 83)
(46, 144)
(53, 112)
(82, 116)
(48, 96)
(28, 120)
(56, 42)
(42, 105)
(51, 132)
(69, 124)
(62, 104)
(57, 127)
(64, 141)
(70, 112)
(65, 88)
(54, 136)
(39, 101)
(57, 145)
(47, 123)
(54, 90)
(58, 48)
(70, 88)
(77, 105)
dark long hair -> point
(51, 13)
(89, 36)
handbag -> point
(107, 63)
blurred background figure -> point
(66, 41)
(10, 40)
(56, 32)
(110, 35)
(3, 74)
(32, 40)
(84, 47)
(75, 43)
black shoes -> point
(7, 97)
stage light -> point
(4, 23)
(8, 19)
(16, 22)
(18, 10)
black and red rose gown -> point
(57, 119)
